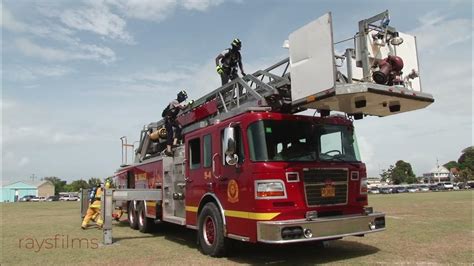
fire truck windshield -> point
(271, 140)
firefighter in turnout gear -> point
(94, 207)
(228, 61)
(173, 128)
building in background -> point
(437, 174)
(14, 191)
(374, 182)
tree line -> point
(74, 186)
(402, 171)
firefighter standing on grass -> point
(227, 62)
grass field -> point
(422, 228)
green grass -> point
(421, 228)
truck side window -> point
(194, 153)
(239, 145)
(207, 151)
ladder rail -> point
(231, 98)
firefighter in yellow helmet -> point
(118, 212)
(94, 208)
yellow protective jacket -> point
(96, 201)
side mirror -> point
(232, 159)
(229, 141)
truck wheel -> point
(211, 231)
(132, 216)
(144, 224)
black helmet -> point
(182, 95)
(236, 43)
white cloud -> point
(97, 18)
(200, 5)
(155, 76)
(8, 21)
(436, 32)
(150, 10)
(41, 135)
(83, 52)
(23, 161)
(31, 72)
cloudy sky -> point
(78, 75)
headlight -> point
(270, 189)
(363, 186)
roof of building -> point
(440, 170)
(28, 182)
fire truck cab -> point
(260, 176)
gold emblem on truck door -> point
(232, 191)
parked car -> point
(446, 185)
(434, 187)
(400, 190)
(37, 199)
(69, 198)
(374, 190)
(52, 198)
(424, 188)
(385, 190)
(470, 184)
(27, 198)
(412, 189)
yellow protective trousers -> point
(94, 209)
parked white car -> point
(424, 188)
(69, 198)
(446, 185)
(37, 199)
(412, 189)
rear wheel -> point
(144, 224)
(132, 216)
(211, 231)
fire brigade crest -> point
(232, 191)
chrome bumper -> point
(320, 228)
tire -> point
(211, 231)
(132, 216)
(144, 224)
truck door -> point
(232, 171)
(230, 184)
(198, 173)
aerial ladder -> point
(370, 83)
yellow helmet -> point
(108, 182)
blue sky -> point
(78, 75)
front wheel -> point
(211, 231)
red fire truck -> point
(250, 168)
